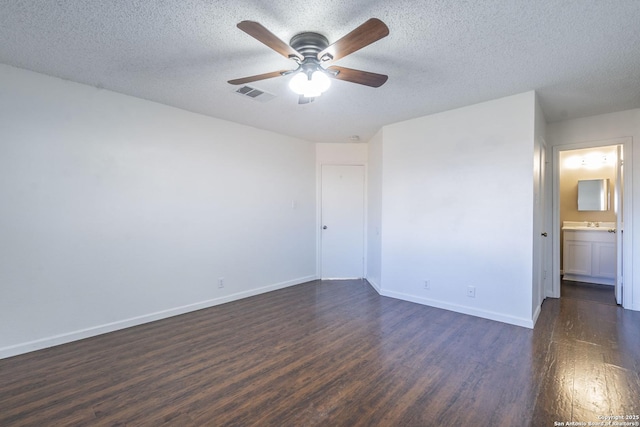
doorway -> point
(604, 257)
(342, 222)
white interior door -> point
(545, 241)
(540, 230)
(342, 221)
(618, 201)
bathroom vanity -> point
(589, 252)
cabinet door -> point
(604, 260)
(577, 257)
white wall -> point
(374, 211)
(457, 203)
(116, 211)
(341, 154)
(602, 128)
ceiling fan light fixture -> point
(310, 85)
(310, 50)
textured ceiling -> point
(581, 56)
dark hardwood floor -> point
(588, 291)
(335, 354)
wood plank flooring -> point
(590, 291)
(335, 354)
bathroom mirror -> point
(593, 195)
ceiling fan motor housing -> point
(309, 44)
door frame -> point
(627, 211)
(365, 244)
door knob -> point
(324, 227)
(544, 234)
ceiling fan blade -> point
(260, 33)
(257, 77)
(357, 76)
(367, 33)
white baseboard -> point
(536, 314)
(472, 311)
(374, 285)
(59, 339)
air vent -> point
(257, 94)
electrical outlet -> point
(471, 291)
(427, 284)
(221, 282)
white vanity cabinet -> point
(589, 255)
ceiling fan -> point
(311, 51)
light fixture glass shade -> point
(310, 87)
